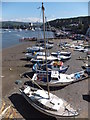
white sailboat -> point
(44, 101)
(49, 105)
(32, 29)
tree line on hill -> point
(77, 25)
(17, 25)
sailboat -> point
(44, 101)
(47, 104)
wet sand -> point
(14, 64)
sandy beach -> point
(14, 64)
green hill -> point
(77, 24)
(13, 24)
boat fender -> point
(77, 75)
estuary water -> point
(11, 37)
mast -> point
(46, 31)
(45, 48)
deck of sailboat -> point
(64, 109)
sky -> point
(29, 12)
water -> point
(11, 37)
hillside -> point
(13, 24)
(77, 25)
